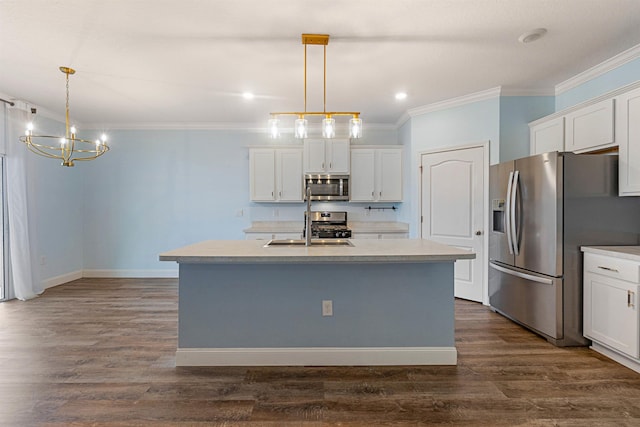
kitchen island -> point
(378, 302)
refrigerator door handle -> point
(512, 213)
(507, 221)
(521, 275)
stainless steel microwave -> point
(327, 187)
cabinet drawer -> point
(612, 267)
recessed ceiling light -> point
(401, 95)
(533, 35)
(248, 95)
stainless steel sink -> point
(314, 242)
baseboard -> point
(623, 360)
(130, 274)
(318, 356)
(63, 278)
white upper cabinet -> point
(547, 136)
(262, 170)
(326, 156)
(275, 174)
(376, 175)
(628, 136)
(590, 128)
(362, 180)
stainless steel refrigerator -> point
(543, 208)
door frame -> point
(485, 199)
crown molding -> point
(456, 102)
(608, 95)
(513, 91)
(598, 70)
(247, 127)
(402, 120)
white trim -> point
(611, 94)
(456, 102)
(402, 120)
(598, 70)
(152, 274)
(506, 91)
(245, 127)
(63, 278)
(623, 360)
(316, 356)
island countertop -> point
(362, 251)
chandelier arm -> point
(35, 148)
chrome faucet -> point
(307, 219)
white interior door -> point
(453, 211)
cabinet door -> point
(628, 135)
(262, 175)
(337, 155)
(259, 236)
(289, 175)
(611, 313)
(362, 181)
(547, 136)
(590, 127)
(314, 156)
(370, 236)
(389, 175)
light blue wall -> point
(404, 138)
(515, 114)
(459, 126)
(55, 204)
(157, 190)
(621, 76)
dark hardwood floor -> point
(98, 352)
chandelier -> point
(328, 123)
(69, 147)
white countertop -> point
(625, 252)
(363, 251)
(355, 226)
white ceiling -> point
(170, 62)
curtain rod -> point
(8, 102)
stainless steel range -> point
(328, 225)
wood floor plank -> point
(101, 352)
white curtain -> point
(23, 280)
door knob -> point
(479, 233)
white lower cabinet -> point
(273, 236)
(379, 236)
(611, 288)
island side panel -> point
(279, 305)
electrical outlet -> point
(240, 212)
(43, 260)
(327, 307)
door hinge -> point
(421, 219)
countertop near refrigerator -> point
(379, 302)
(624, 252)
